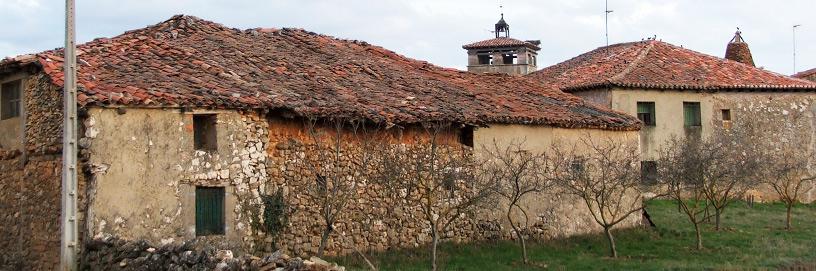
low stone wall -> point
(118, 254)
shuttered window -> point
(209, 210)
(10, 99)
(691, 114)
(646, 113)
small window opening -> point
(726, 114)
(485, 59)
(509, 59)
(577, 166)
(466, 136)
(646, 113)
(648, 172)
(204, 132)
(691, 114)
(209, 211)
(10, 100)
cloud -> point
(435, 30)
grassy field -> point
(752, 238)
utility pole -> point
(69, 242)
(606, 21)
(794, 47)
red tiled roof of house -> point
(499, 42)
(805, 74)
(660, 65)
(189, 62)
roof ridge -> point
(634, 63)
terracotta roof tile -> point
(499, 42)
(656, 64)
(189, 62)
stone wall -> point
(790, 114)
(372, 219)
(145, 189)
(119, 254)
(31, 180)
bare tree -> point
(788, 173)
(516, 174)
(604, 175)
(688, 168)
(435, 174)
(789, 156)
(733, 162)
(340, 159)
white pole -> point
(68, 227)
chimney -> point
(738, 51)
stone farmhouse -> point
(185, 122)
(676, 91)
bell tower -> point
(502, 54)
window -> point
(466, 136)
(577, 166)
(646, 113)
(691, 114)
(726, 114)
(509, 58)
(484, 59)
(10, 100)
(204, 133)
(648, 172)
(209, 214)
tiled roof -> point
(805, 74)
(499, 42)
(659, 65)
(189, 62)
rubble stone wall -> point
(31, 180)
(776, 112)
(372, 219)
(145, 169)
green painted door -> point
(209, 210)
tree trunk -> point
(699, 236)
(323, 240)
(788, 216)
(519, 235)
(434, 244)
(717, 213)
(612, 249)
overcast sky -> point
(435, 30)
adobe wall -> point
(553, 214)
(30, 182)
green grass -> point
(752, 238)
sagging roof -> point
(500, 42)
(189, 62)
(659, 65)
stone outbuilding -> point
(187, 124)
